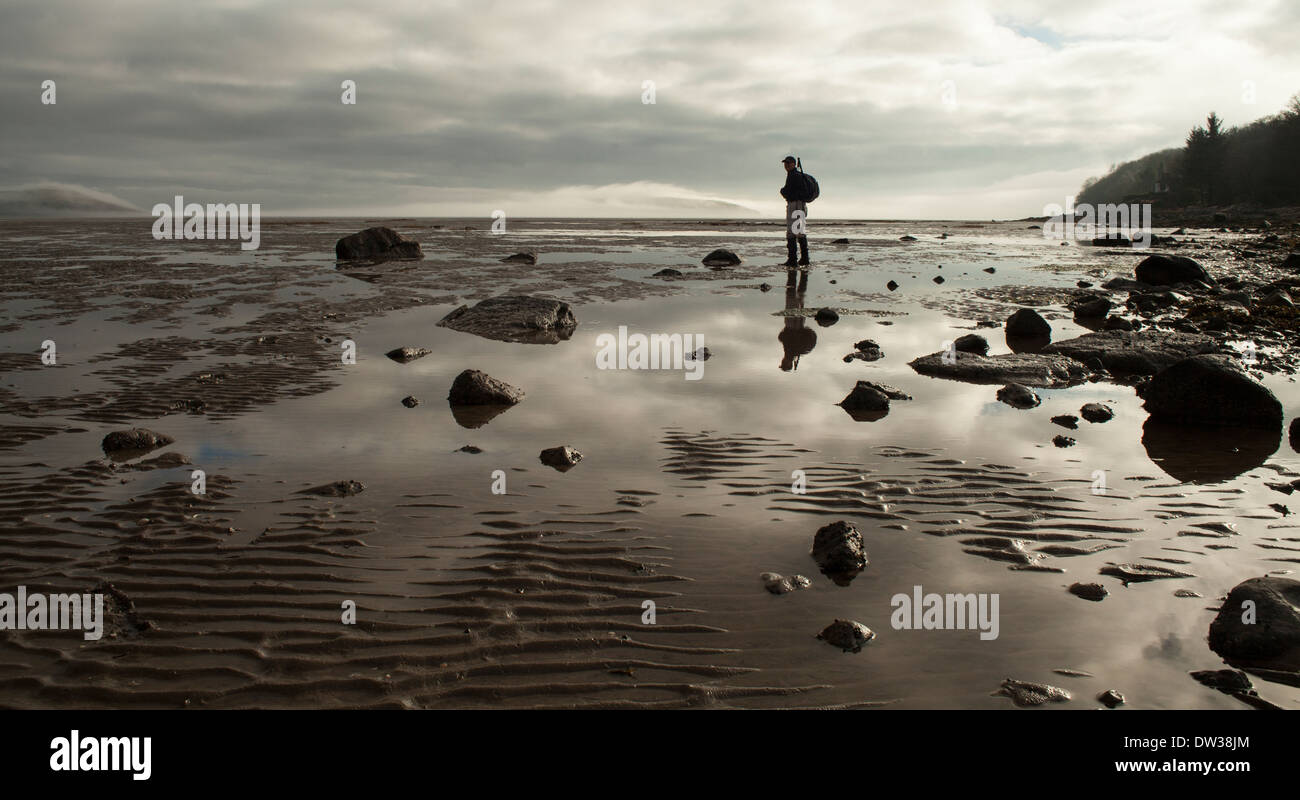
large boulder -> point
(1030, 369)
(515, 318)
(380, 244)
(838, 549)
(1164, 270)
(1265, 634)
(1211, 390)
(721, 258)
(474, 388)
(1027, 323)
(1133, 352)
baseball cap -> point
(787, 158)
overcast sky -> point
(536, 108)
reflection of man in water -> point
(797, 339)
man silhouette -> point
(796, 215)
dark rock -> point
(1096, 412)
(1089, 591)
(1063, 441)
(135, 441)
(838, 549)
(1228, 681)
(865, 350)
(1271, 637)
(336, 489)
(1110, 698)
(767, 287)
(1292, 261)
(1027, 323)
(779, 584)
(938, 279)
(826, 317)
(1029, 369)
(1084, 285)
(667, 273)
(526, 257)
(839, 241)
(515, 318)
(907, 238)
(990, 270)
(469, 448)
(847, 635)
(892, 285)
(474, 388)
(1132, 353)
(1018, 396)
(1090, 306)
(1116, 323)
(702, 354)
(1164, 270)
(721, 258)
(563, 458)
(1066, 421)
(1025, 693)
(379, 244)
(403, 355)
(1211, 390)
(410, 402)
(971, 343)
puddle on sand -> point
(683, 497)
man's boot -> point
(790, 249)
(803, 252)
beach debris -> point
(336, 489)
(515, 318)
(1139, 573)
(838, 549)
(1270, 635)
(404, 355)
(410, 402)
(1029, 369)
(1163, 270)
(1017, 395)
(1089, 591)
(847, 635)
(475, 388)
(1027, 693)
(1096, 412)
(721, 258)
(381, 244)
(971, 343)
(526, 257)
(563, 458)
(1028, 324)
(865, 350)
(1110, 698)
(1133, 353)
(777, 583)
(1211, 390)
(134, 441)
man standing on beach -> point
(796, 215)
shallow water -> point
(684, 495)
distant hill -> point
(60, 200)
(1257, 164)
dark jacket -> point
(793, 189)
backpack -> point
(811, 191)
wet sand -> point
(534, 598)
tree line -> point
(1258, 163)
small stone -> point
(847, 635)
(1096, 412)
(1110, 698)
(1089, 591)
(410, 402)
(562, 458)
(1063, 441)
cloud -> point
(239, 100)
(49, 199)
